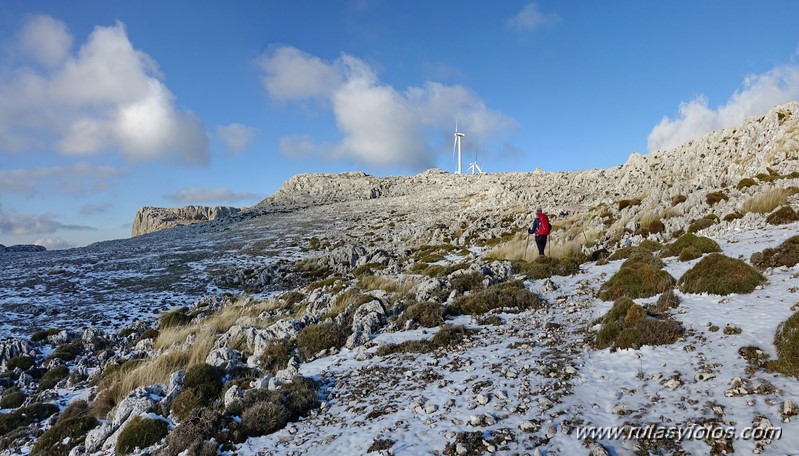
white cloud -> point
(759, 94)
(531, 18)
(78, 178)
(93, 209)
(22, 224)
(53, 243)
(209, 195)
(105, 97)
(236, 136)
(290, 74)
(382, 126)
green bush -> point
(264, 418)
(13, 399)
(68, 432)
(689, 253)
(701, 243)
(470, 281)
(781, 216)
(52, 377)
(786, 254)
(745, 182)
(786, 339)
(66, 352)
(276, 355)
(543, 267)
(426, 314)
(721, 275)
(650, 245)
(43, 334)
(140, 432)
(25, 416)
(626, 325)
(658, 332)
(22, 362)
(607, 334)
(448, 335)
(638, 279)
(715, 197)
(175, 318)
(193, 433)
(629, 338)
(505, 295)
(700, 224)
(201, 387)
(300, 397)
(321, 336)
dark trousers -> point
(541, 242)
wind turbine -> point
(474, 168)
(457, 145)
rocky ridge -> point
(151, 219)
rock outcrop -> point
(25, 248)
(150, 219)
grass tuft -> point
(140, 432)
(786, 254)
(701, 243)
(720, 275)
(512, 295)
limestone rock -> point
(151, 219)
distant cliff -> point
(22, 248)
(150, 219)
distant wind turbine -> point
(474, 168)
(457, 145)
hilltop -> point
(349, 313)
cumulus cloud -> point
(106, 96)
(382, 126)
(51, 243)
(531, 18)
(760, 93)
(196, 195)
(77, 179)
(236, 136)
(21, 224)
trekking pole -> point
(525, 246)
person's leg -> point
(541, 242)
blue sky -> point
(107, 106)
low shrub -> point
(68, 432)
(658, 331)
(650, 245)
(25, 416)
(786, 254)
(701, 243)
(321, 336)
(276, 355)
(543, 267)
(13, 399)
(782, 216)
(52, 377)
(22, 362)
(469, 281)
(512, 295)
(623, 204)
(667, 300)
(43, 334)
(629, 338)
(292, 297)
(689, 253)
(638, 277)
(175, 318)
(648, 227)
(264, 418)
(678, 199)
(447, 336)
(426, 314)
(626, 325)
(367, 269)
(622, 253)
(300, 396)
(721, 275)
(786, 340)
(732, 216)
(140, 432)
(192, 434)
(715, 197)
(700, 224)
(745, 182)
(201, 387)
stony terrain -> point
(357, 253)
(150, 219)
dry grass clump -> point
(68, 432)
(350, 299)
(467, 281)
(677, 199)
(745, 182)
(312, 269)
(640, 276)
(378, 282)
(140, 432)
(427, 314)
(721, 275)
(545, 266)
(367, 269)
(626, 325)
(767, 201)
(786, 339)
(650, 226)
(321, 336)
(447, 336)
(783, 215)
(786, 254)
(701, 243)
(509, 295)
(178, 317)
(732, 216)
(623, 204)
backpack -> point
(543, 225)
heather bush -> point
(786, 254)
(721, 275)
(193, 433)
(469, 281)
(140, 432)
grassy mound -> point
(505, 295)
(140, 432)
(543, 267)
(321, 336)
(787, 254)
(783, 215)
(700, 243)
(786, 340)
(626, 325)
(721, 275)
(68, 432)
(639, 277)
(427, 314)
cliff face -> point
(150, 219)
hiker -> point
(541, 229)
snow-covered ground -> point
(529, 384)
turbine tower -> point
(474, 168)
(457, 145)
